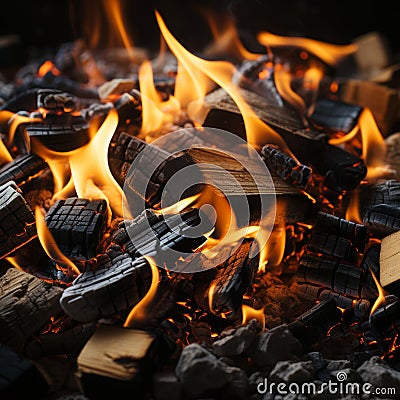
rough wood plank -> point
(389, 263)
(17, 222)
(26, 304)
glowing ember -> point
(250, 313)
(49, 244)
(47, 67)
(141, 311)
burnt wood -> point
(26, 305)
(17, 221)
(383, 219)
(77, 225)
(108, 291)
(341, 170)
(22, 169)
(332, 245)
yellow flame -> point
(211, 292)
(250, 313)
(14, 263)
(179, 206)
(49, 244)
(330, 53)
(141, 311)
(353, 209)
(221, 72)
(272, 252)
(381, 294)
(115, 10)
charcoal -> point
(22, 169)
(336, 115)
(77, 225)
(378, 373)
(308, 292)
(129, 107)
(370, 262)
(355, 233)
(286, 167)
(166, 386)
(383, 219)
(63, 132)
(20, 378)
(107, 291)
(336, 275)
(17, 221)
(332, 245)
(289, 371)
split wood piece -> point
(389, 264)
(63, 132)
(118, 361)
(108, 291)
(342, 171)
(22, 169)
(392, 156)
(20, 378)
(138, 237)
(383, 219)
(115, 87)
(26, 305)
(51, 100)
(336, 116)
(69, 342)
(129, 108)
(315, 324)
(17, 221)
(292, 204)
(332, 274)
(77, 225)
(382, 101)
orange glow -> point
(312, 78)
(155, 112)
(5, 156)
(49, 244)
(14, 263)
(211, 292)
(330, 53)
(46, 67)
(283, 81)
(141, 310)
(221, 72)
(272, 252)
(250, 313)
(381, 294)
(88, 166)
(353, 209)
(113, 8)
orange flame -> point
(330, 53)
(115, 10)
(250, 313)
(221, 72)
(381, 294)
(353, 209)
(5, 156)
(141, 311)
(179, 206)
(46, 67)
(272, 252)
(49, 244)
(211, 292)
(14, 263)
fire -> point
(211, 292)
(49, 244)
(221, 72)
(250, 313)
(140, 311)
(47, 67)
(5, 156)
(353, 209)
(179, 206)
(89, 168)
(330, 53)
(272, 252)
(381, 294)
(283, 80)
(155, 112)
(13, 261)
(114, 9)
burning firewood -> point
(383, 219)
(26, 304)
(78, 225)
(21, 169)
(117, 360)
(17, 220)
(389, 273)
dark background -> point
(43, 25)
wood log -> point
(342, 171)
(382, 219)
(22, 169)
(392, 157)
(20, 378)
(115, 87)
(17, 222)
(335, 116)
(332, 245)
(117, 360)
(78, 225)
(389, 273)
(108, 291)
(26, 304)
